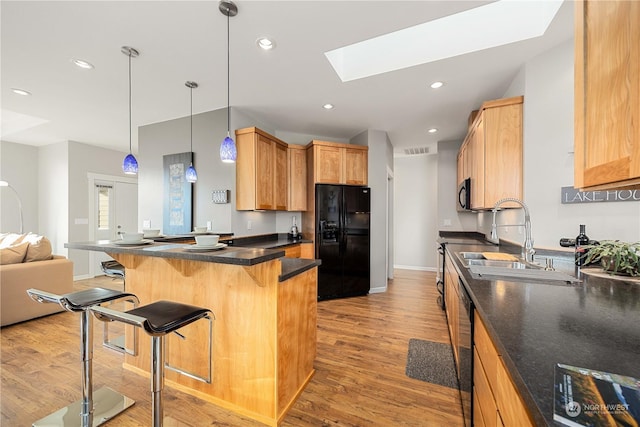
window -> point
(104, 196)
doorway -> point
(113, 209)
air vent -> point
(416, 150)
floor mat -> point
(431, 362)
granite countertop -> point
(594, 324)
(228, 255)
(293, 266)
(267, 241)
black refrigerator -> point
(342, 240)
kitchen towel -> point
(431, 362)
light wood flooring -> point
(359, 381)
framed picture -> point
(178, 195)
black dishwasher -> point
(465, 351)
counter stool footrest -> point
(107, 404)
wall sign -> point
(571, 195)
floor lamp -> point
(6, 184)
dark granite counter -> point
(189, 237)
(293, 266)
(267, 241)
(593, 324)
(228, 255)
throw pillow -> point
(39, 248)
(13, 254)
(11, 239)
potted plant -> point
(616, 257)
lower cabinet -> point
(496, 401)
(301, 250)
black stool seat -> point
(163, 317)
(80, 300)
(157, 318)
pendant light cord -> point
(130, 151)
(191, 120)
(228, 79)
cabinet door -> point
(328, 164)
(477, 166)
(502, 128)
(265, 173)
(355, 163)
(297, 179)
(451, 305)
(281, 187)
(607, 94)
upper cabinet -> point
(491, 154)
(607, 94)
(335, 163)
(297, 178)
(261, 171)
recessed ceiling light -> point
(436, 85)
(327, 106)
(432, 130)
(82, 64)
(265, 43)
(20, 91)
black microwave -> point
(464, 195)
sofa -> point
(26, 262)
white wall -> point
(17, 165)
(53, 190)
(380, 159)
(416, 211)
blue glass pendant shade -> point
(130, 165)
(192, 175)
(228, 153)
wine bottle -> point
(581, 241)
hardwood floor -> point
(359, 381)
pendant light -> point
(191, 174)
(130, 164)
(228, 152)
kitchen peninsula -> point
(264, 331)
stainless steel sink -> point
(469, 259)
(471, 255)
(497, 263)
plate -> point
(205, 248)
(136, 243)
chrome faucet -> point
(527, 246)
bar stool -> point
(94, 408)
(157, 319)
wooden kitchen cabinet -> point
(607, 94)
(494, 392)
(297, 177)
(336, 163)
(261, 171)
(491, 154)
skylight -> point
(484, 27)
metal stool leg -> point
(157, 379)
(86, 349)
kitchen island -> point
(536, 325)
(264, 331)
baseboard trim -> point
(414, 267)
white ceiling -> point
(285, 87)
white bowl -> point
(147, 232)
(208, 240)
(132, 237)
(200, 229)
